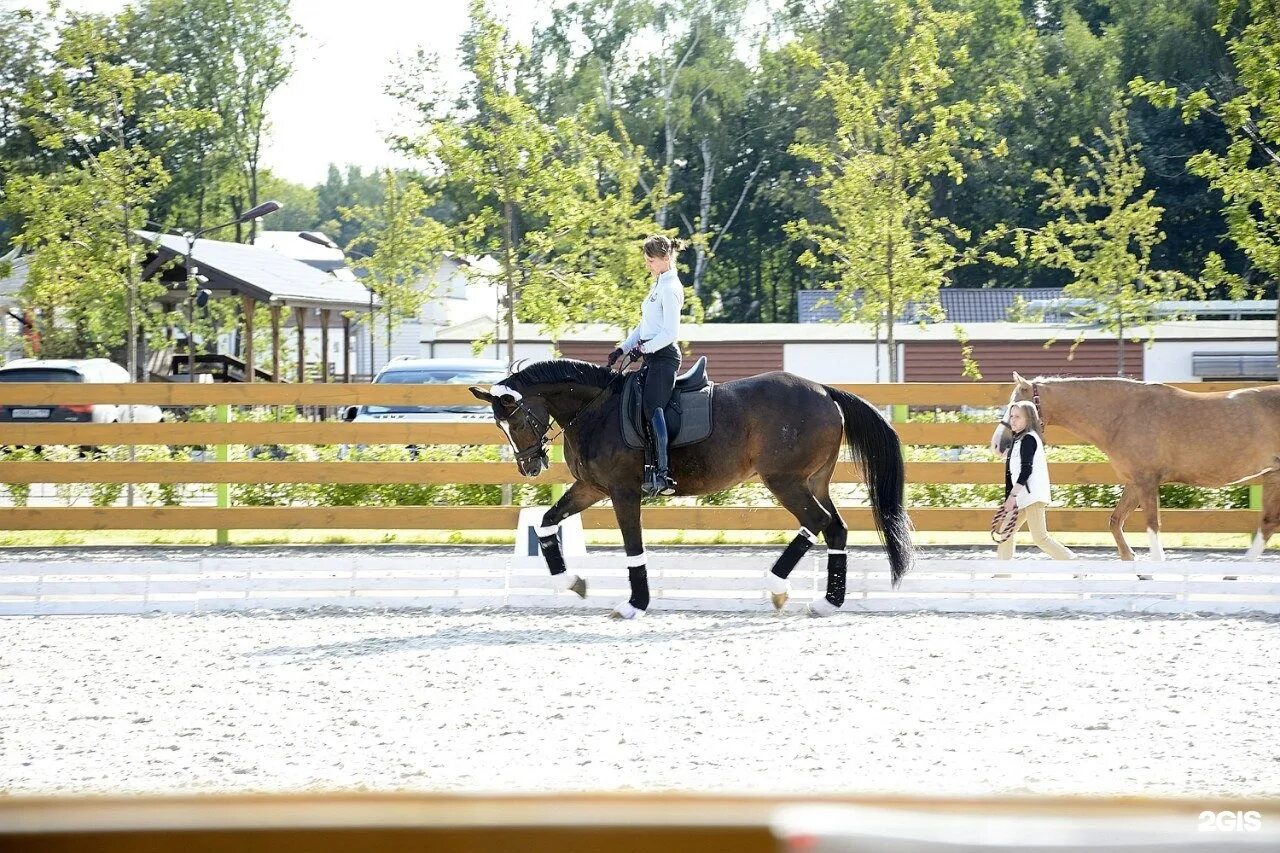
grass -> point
(73, 538)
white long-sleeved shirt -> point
(659, 317)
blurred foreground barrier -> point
(574, 823)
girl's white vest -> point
(1038, 482)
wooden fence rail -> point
(271, 432)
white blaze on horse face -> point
(506, 430)
(998, 437)
(1154, 551)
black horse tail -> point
(878, 450)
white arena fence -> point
(678, 582)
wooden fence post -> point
(221, 453)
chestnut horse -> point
(1155, 434)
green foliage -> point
(896, 138)
(402, 247)
(1103, 234)
(78, 219)
(1247, 171)
(558, 205)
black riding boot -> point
(659, 482)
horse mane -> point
(1043, 379)
(563, 370)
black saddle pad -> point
(688, 415)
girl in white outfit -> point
(1026, 481)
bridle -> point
(1035, 398)
(541, 428)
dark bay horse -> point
(786, 429)
(1154, 434)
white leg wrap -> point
(822, 607)
(627, 611)
(562, 581)
(808, 534)
(836, 551)
(775, 585)
(637, 560)
(1256, 547)
(1154, 551)
(546, 531)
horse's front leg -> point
(575, 500)
(626, 506)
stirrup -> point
(658, 483)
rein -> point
(541, 428)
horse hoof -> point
(822, 607)
(626, 610)
(779, 589)
(580, 587)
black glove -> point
(636, 353)
(614, 356)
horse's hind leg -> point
(1128, 503)
(1270, 520)
(836, 536)
(793, 492)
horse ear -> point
(481, 394)
(1018, 380)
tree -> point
(584, 264)
(229, 56)
(78, 221)
(1103, 235)
(21, 33)
(555, 203)
(344, 190)
(895, 140)
(1247, 173)
(401, 246)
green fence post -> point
(221, 454)
(899, 413)
(558, 490)
(1255, 497)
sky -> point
(333, 108)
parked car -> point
(71, 370)
(408, 370)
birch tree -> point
(895, 141)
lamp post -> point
(322, 240)
(202, 298)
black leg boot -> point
(661, 482)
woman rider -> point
(655, 340)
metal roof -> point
(961, 304)
(263, 274)
(292, 245)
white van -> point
(408, 370)
(71, 370)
